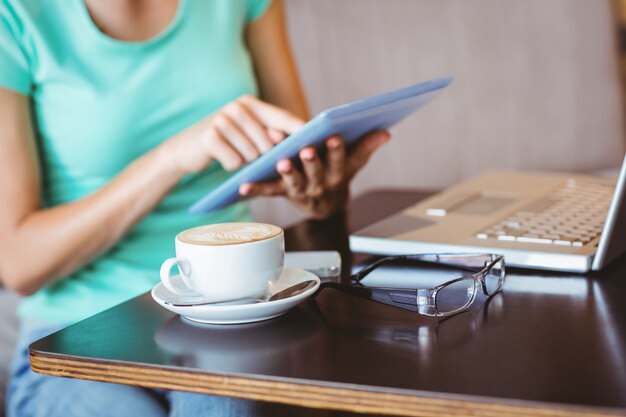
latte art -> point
(229, 233)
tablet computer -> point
(351, 121)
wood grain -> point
(357, 399)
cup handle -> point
(184, 269)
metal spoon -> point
(280, 295)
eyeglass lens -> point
(455, 296)
(459, 294)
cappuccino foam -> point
(229, 233)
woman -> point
(114, 117)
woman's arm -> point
(274, 64)
(39, 245)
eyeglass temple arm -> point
(405, 299)
(449, 260)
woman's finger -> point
(250, 125)
(335, 161)
(314, 172)
(276, 135)
(271, 116)
(293, 180)
(236, 137)
(361, 153)
(216, 146)
(271, 188)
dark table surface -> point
(550, 344)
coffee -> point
(226, 261)
(229, 233)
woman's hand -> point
(246, 128)
(238, 133)
(323, 187)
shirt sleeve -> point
(256, 9)
(14, 68)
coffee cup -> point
(226, 261)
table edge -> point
(357, 398)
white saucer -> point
(241, 313)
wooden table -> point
(550, 344)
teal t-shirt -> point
(100, 103)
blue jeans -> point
(35, 395)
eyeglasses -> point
(486, 272)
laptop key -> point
(507, 238)
(551, 237)
(527, 239)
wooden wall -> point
(537, 83)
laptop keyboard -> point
(572, 216)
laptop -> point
(547, 221)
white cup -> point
(226, 271)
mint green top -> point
(100, 103)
